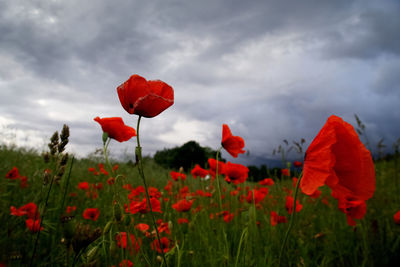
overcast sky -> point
(271, 70)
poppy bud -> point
(107, 228)
(117, 212)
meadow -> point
(201, 236)
(337, 208)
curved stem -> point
(291, 220)
(141, 172)
(217, 178)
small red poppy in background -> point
(122, 242)
(33, 225)
(182, 220)
(143, 227)
(145, 98)
(236, 173)
(266, 181)
(297, 164)
(142, 207)
(285, 172)
(83, 186)
(338, 158)
(182, 205)
(176, 175)
(116, 128)
(212, 163)
(275, 218)
(126, 263)
(155, 245)
(290, 204)
(91, 214)
(233, 144)
(396, 217)
(198, 171)
(13, 174)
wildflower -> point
(143, 227)
(256, 196)
(182, 205)
(91, 214)
(232, 144)
(116, 128)
(176, 175)
(275, 218)
(236, 173)
(285, 172)
(289, 205)
(126, 263)
(198, 171)
(337, 158)
(142, 207)
(182, 220)
(13, 174)
(266, 181)
(164, 247)
(70, 209)
(122, 242)
(84, 186)
(213, 166)
(30, 210)
(33, 225)
(396, 217)
(297, 164)
(145, 98)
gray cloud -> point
(272, 70)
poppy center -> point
(130, 105)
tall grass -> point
(320, 235)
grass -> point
(320, 236)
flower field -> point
(337, 208)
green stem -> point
(41, 221)
(218, 184)
(141, 172)
(291, 220)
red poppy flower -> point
(176, 175)
(33, 225)
(164, 245)
(199, 171)
(145, 98)
(126, 263)
(337, 158)
(289, 205)
(275, 218)
(285, 172)
(182, 220)
(236, 173)
(116, 128)
(91, 214)
(142, 207)
(233, 144)
(13, 174)
(31, 210)
(143, 227)
(297, 164)
(213, 166)
(83, 186)
(256, 196)
(122, 241)
(396, 217)
(266, 181)
(182, 205)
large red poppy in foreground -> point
(145, 98)
(337, 158)
(116, 128)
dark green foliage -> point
(185, 156)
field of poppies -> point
(337, 208)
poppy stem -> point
(291, 220)
(217, 178)
(138, 153)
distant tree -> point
(185, 156)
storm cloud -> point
(271, 70)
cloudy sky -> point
(271, 70)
